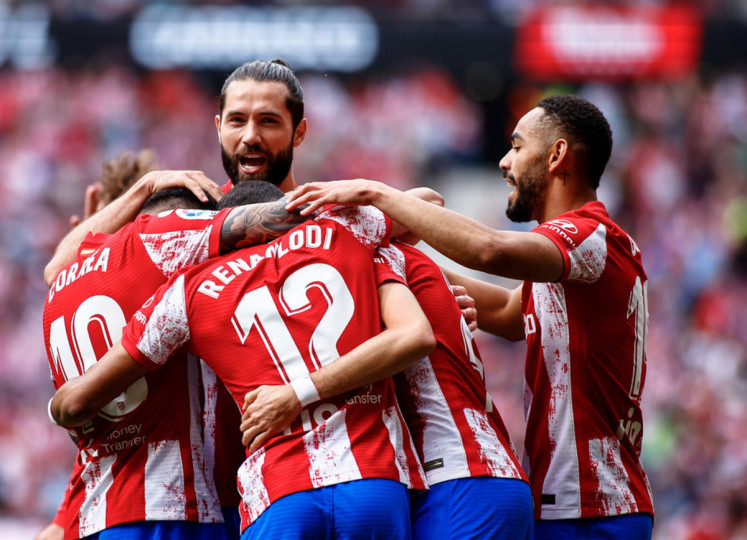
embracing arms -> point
(517, 255)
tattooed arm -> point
(257, 223)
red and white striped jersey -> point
(457, 430)
(585, 371)
(142, 457)
(274, 313)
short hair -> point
(176, 197)
(277, 70)
(121, 172)
(586, 126)
(252, 192)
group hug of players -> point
(365, 409)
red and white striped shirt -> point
(585, 372)
(142, 457)
(457, 430)
(272, 314)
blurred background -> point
(410, 92)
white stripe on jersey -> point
(394, 426)
(208, 506)
(174, 250)
(331, 460)
(165, 497)
(589, 258)
(97, 477)
(441, 437)
(614, 482)
(492, 452)
(254, 496)
(562, 478)
(171, 314)
(210, 396)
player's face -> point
(525, 168)
(256, 133)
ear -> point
(558, 155)
(300, 133)
(217, 127)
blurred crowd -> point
(677, 182)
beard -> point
(530, 194)
(278, 166)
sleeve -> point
(582, 243)
(218, 220)
(390, 265)
(160, 327)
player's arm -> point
(399, 231)
(257, 223)
(253, 224)
(53, 531)
(517, 255)
(407, 337)
(124, 209)
(498, 308)
(79, 399)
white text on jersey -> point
(97, 261)
(312, 236)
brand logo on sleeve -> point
(567, 226)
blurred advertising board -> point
(608, 42)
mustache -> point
(246, 148)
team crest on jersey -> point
(567, 226)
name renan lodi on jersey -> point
(312, 236)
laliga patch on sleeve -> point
(195, 214)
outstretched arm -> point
(79, 399)
(516, 255)
(407, 338)
(124, 209)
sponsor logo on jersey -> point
(567, 226)
(195, 214)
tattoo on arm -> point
(258, 223)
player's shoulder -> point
(173, 220)
(367, 223)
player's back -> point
(271, 314)
(457, 430)
(144, 447)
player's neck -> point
(561, 199)
(289, 184)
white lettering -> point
(222, 275)
(210, 288)
(529, 325)
(103, 261)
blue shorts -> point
(629, 526)
(162, 530)
(370, 509)
(232, 522)
(479, 507)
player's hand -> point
(51, 532)
(467, 305)
(349, 192)
(267, 410)
(196, 181)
